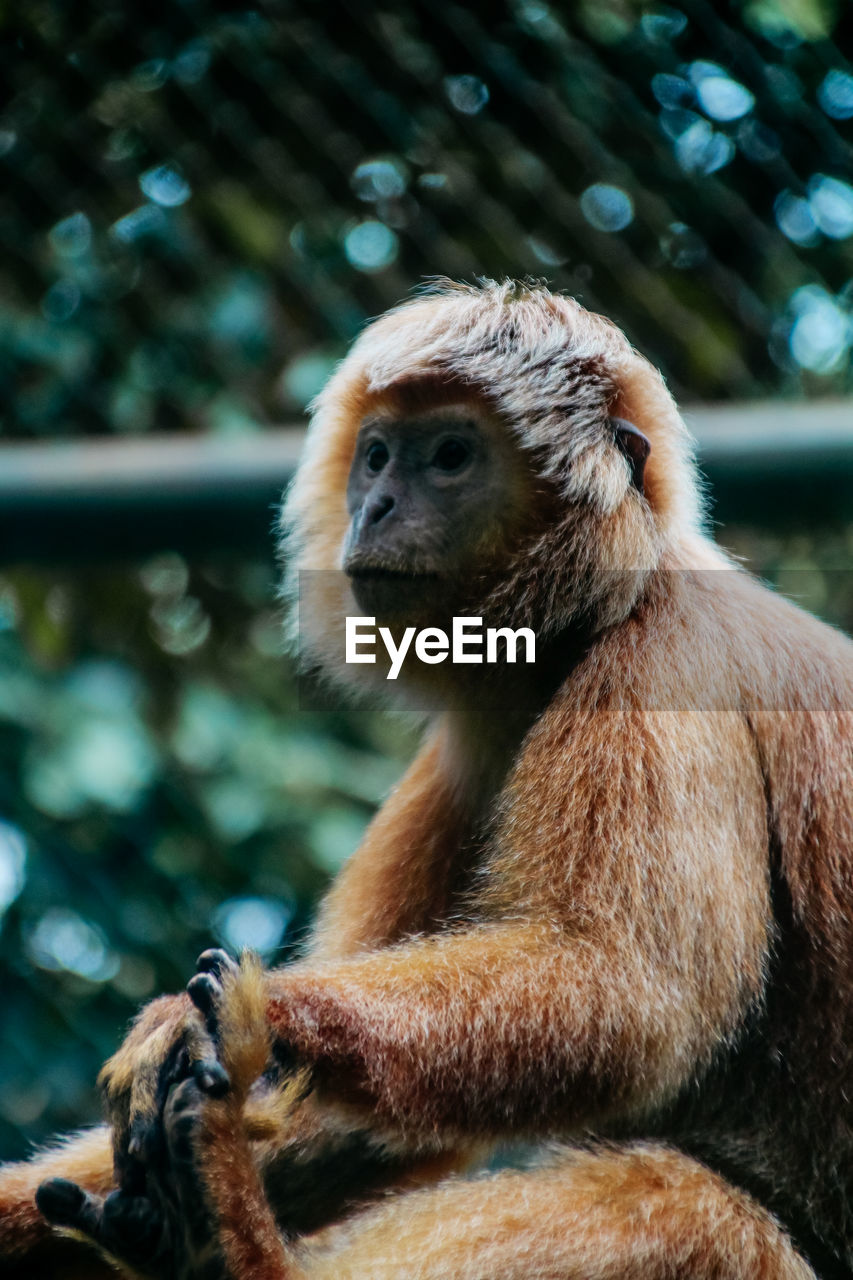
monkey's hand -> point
(172, 1227)
(167, 1043)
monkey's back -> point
(774, 1111)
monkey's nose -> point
(379, 509)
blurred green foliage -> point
(199, 206)
(163, 782)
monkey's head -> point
(494, 451)
(436, 491)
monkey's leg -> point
(633, 1213)
(638, 1213)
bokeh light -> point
(371, 246)
(13, 863)
(467, 94)
(165, 186)
(255, 924)
(63, 940)
(606, 207)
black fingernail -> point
(138, 1138)
(212, 1078)
(214, 960)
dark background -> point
(200, 206)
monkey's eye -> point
(451, 454)
(377, 455)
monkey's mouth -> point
(391, 592)
(369, 571)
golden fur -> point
(624, 913)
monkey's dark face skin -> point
(427, 495)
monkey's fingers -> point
(213, 968)
(211, 1077)
(159, 1065)
(217, 962)
(129, 1228)
(231, 996)
(206, 992)
(205, 1067)
(65, 1204)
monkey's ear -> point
(635, 446)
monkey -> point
(609, 907)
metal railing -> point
(766, 462)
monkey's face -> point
(430, 496)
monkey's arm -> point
(503, 1029)
(397, 881)
(619, 933)
(619, 929)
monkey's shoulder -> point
(725, 640)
